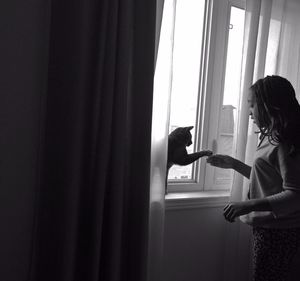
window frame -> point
(211, 80)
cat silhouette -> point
(178, 140)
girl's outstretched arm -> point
(228, 162)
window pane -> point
(188, 32)
(228, 118)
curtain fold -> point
(159, 15)
(288, 60)
(93, 201)
(159, 141)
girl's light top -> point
(275, 175)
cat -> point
(178, 140)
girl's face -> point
(253, 110)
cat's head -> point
(183, 135)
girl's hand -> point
(233, 210)
(221, 161)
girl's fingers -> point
(214, 162)
(229, 213)
(231, 216)
(226, 207)
(209, 159)
(213, 157)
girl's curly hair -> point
(278, 111)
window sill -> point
(192, 200)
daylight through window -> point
(199, 63)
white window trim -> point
(196, 200)
(218, 66)
(212, 81)
(217, 83)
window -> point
(199, 62)
(187, 46)
(223, 135)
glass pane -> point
(228, 119)
(188, 32)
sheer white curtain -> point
(158, 165)
(271, 46)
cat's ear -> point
(190, 127)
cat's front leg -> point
(190, 158)
(205, 153)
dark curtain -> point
(92, 198)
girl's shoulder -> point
(288, 157)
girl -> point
(273, 205)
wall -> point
(195, 245)
(23, 40)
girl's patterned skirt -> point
(274, 251)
